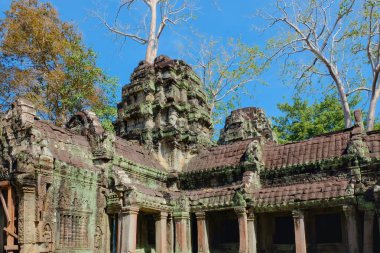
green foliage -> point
(45, 60)
(227, 74)
(302, 121)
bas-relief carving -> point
(98, 240)
(48, 238)
(254, 155)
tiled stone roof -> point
(322, 147)
(75, 149)
(65, 146)
(219, 156)
(136, 153)
(331, 188)
(315, 149)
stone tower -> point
(244, 124)
(164, 108)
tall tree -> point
(340, 39)
(45, 60)
(301, 120)
(226, 73)
(161, 12)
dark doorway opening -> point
(146, 232)
(328, 228)
(113, 224)
(223, 231)
(194, 233)
(284, 230)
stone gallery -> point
(161, 185)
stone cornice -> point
(140, 170)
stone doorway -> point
(146, 233)
(223, 231)
(194, 233)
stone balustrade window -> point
(73, 231)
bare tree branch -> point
(134, 37)
(358, 89)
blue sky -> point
(224, 20)
(219, 19)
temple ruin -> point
(161, 185)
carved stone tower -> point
(164, 108)
(244, 124)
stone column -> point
(299, 231)
(203, 246)
(129, 229)
(188, 231)
(27, 217)
(369, 216)
(161, 233)
(243, 229)
(180, 220)
(252, 240)
(352, 231)
(170, 226)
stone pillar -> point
(181, 240)
(369, 216)
(27, 217)
(188, 231)
(352, 231)
(252, 240)
(161, 233)
(128, 229)
(203, 246)
(170, 234)
(299, 231)
(243, 229)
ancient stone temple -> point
(161, 185)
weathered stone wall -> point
(52, 171)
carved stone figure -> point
(254, 155)
(98, 239)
